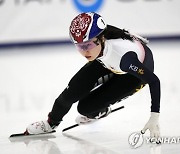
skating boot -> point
(81, 119)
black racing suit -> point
(114, 88)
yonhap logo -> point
(136, 139)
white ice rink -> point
(32, 78)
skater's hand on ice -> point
(152, 125)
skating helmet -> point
(86, 26)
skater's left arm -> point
(131, 64)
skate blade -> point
(24, 137)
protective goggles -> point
(86, 46)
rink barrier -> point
(68, 42)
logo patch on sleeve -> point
(136, 69)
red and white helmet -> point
(86, 26)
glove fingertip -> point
(142, 132)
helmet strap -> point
(102, 42)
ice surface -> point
(31, 79)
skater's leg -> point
(78, 88)
(117, 88)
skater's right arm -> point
(132, 65)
